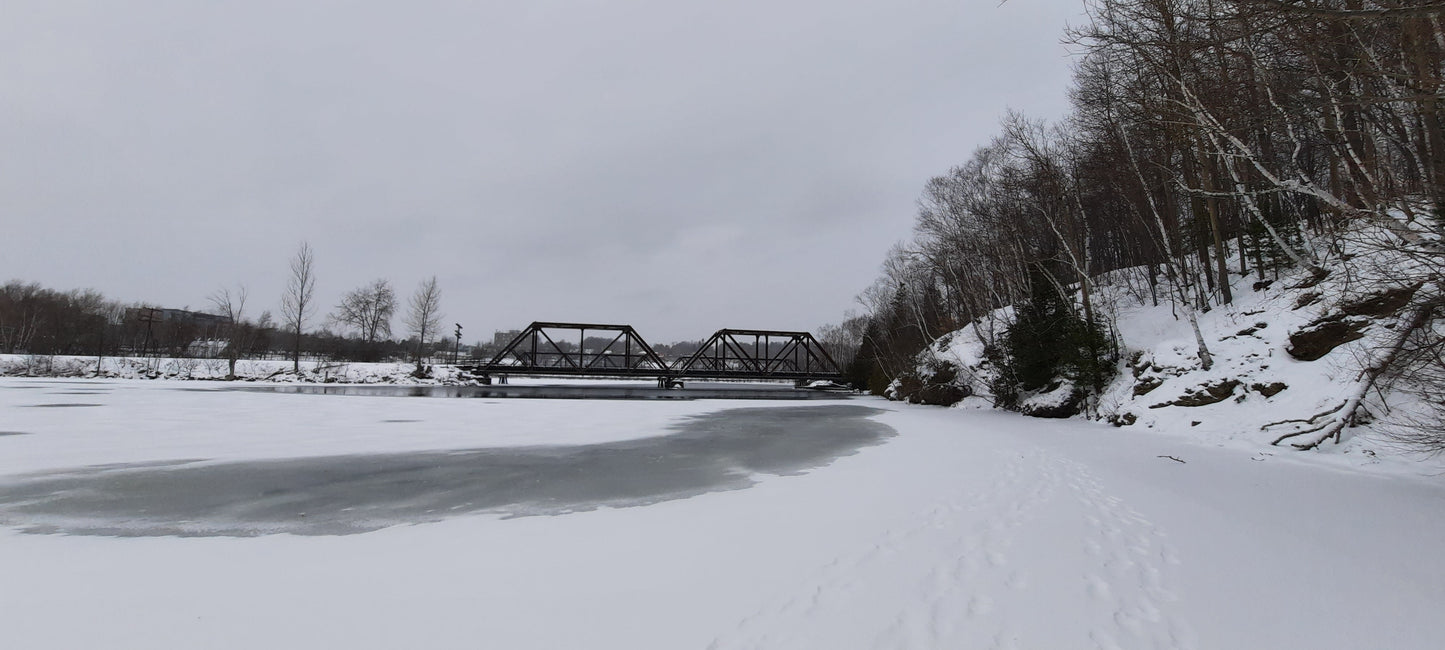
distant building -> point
(166, 315)
(198, 318)
(177, 332)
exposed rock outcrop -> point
(1204, 395)
(1270, 389)
(1385, 303)
(1317, 339)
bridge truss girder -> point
(728, 354)
(751, 354)
(535, 350)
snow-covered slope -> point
(1256, 384)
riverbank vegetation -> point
(1213, 147)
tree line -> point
(1206, 138)
(38, 320)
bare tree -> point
(233, 307)
(296, 303)
(424, 316)
(368, 310)
(842, 340)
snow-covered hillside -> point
(1284, 351)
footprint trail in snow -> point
(1040, 556)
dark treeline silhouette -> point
(1207, 138)
(37, 320)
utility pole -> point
(149, 316)
(456, 351)
(100, 345)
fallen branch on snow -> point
(1336, 419)
(1308, 420)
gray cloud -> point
(678, 166)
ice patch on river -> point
(358, 493)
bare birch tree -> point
(424, 316)
(296, 303)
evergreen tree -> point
(1050, 341)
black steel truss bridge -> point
(546, 349)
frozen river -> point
(155, 514)
(341, 494)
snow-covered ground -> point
(966, 529)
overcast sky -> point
(678, 166)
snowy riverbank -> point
(970, 529)
(272, 370)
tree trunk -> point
(1221, 254)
